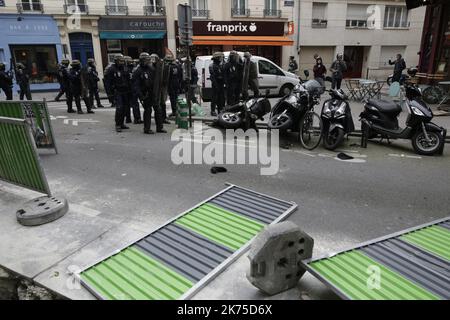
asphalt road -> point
(131, 175)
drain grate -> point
(182, 256)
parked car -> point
(270, 76)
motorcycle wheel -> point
(333, 139)
(432, 95)
(280, 122)
(310, 130)
(230, 120)
(423, 147)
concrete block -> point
(276, 255)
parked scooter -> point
(337, 120)
(295, 112)
(411, 72)
(380, 119)
(245, 114)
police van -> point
(270, 76)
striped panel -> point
(11, 109)
(434, 239)
(133, 275)
(221, 226)
(418, 266)
(186, 252)
(350, 273)
(252, 205)
(445, 225)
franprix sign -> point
(238, 28)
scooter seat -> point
(385, 106)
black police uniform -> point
(218, 86)
(66, 87)
(77, 90)
(92, 84)
(134, 100)
(174, 85)
(143, 84)
(63, 82)
(117, 80)
(233, 79)
(6, 83)
(23, 80)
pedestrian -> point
(218, 83)
(253, 83)
(293, 65)
(320, 71)
(233, 78)
(399, 66)
(63, 79)
(117, 80)
(78, 87)
(92, 83)
(23, 81)
(6, 81)
(338, 67)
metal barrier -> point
(19, 162)
(37, 115)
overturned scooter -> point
(380, 119)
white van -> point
(270, 76)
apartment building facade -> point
(367, 32)
(39, 33)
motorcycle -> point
(337, 119)
(404, 77)
(245, 114)
(295, 112)
(380, 118)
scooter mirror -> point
(306, 72)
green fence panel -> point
(37, 115)
(19, 161)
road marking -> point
(395, 155)
(75, 122)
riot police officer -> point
(6, 81)
(23, 80)
(233, 78)
(78, 87)
(134, 100)
(162, 71)
(251, 76)
(218, 83)
(92, 83)
(175, 79)
(117, 80)
(144, 79)
(64, 83)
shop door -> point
(353, 56)
(81, 46)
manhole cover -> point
(42, 210)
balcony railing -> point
(154, 11)
(272, 13)
(319, 23)
(80, 8)
(30, 7)
(116, 10)
(239, 12)
(200, 13)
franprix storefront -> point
(34, 41)
(131, 36)
(262, 38)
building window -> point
(74, 6)
(199, 8)
(271, 9)
(154, 8)
(239, 8)
(40, 61)
(357, 16)
(2, 3)
(116, 7)
(30, 5)
(396, 17)
(319, 15)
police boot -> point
(149, 132)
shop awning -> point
(122, 35)
(239, 41)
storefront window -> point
(40, 61)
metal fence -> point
(37, 115)
(19, 161)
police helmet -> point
(154, 58)
(339, 56)
(75, 63)
(65, 62)
(144, 58)
(128, 60)
(169, 58)
(91, 62)
(20, 66)
(247, 55)
(119, 59)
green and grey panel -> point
(174, 261)
(414, 265)
(19, 162)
